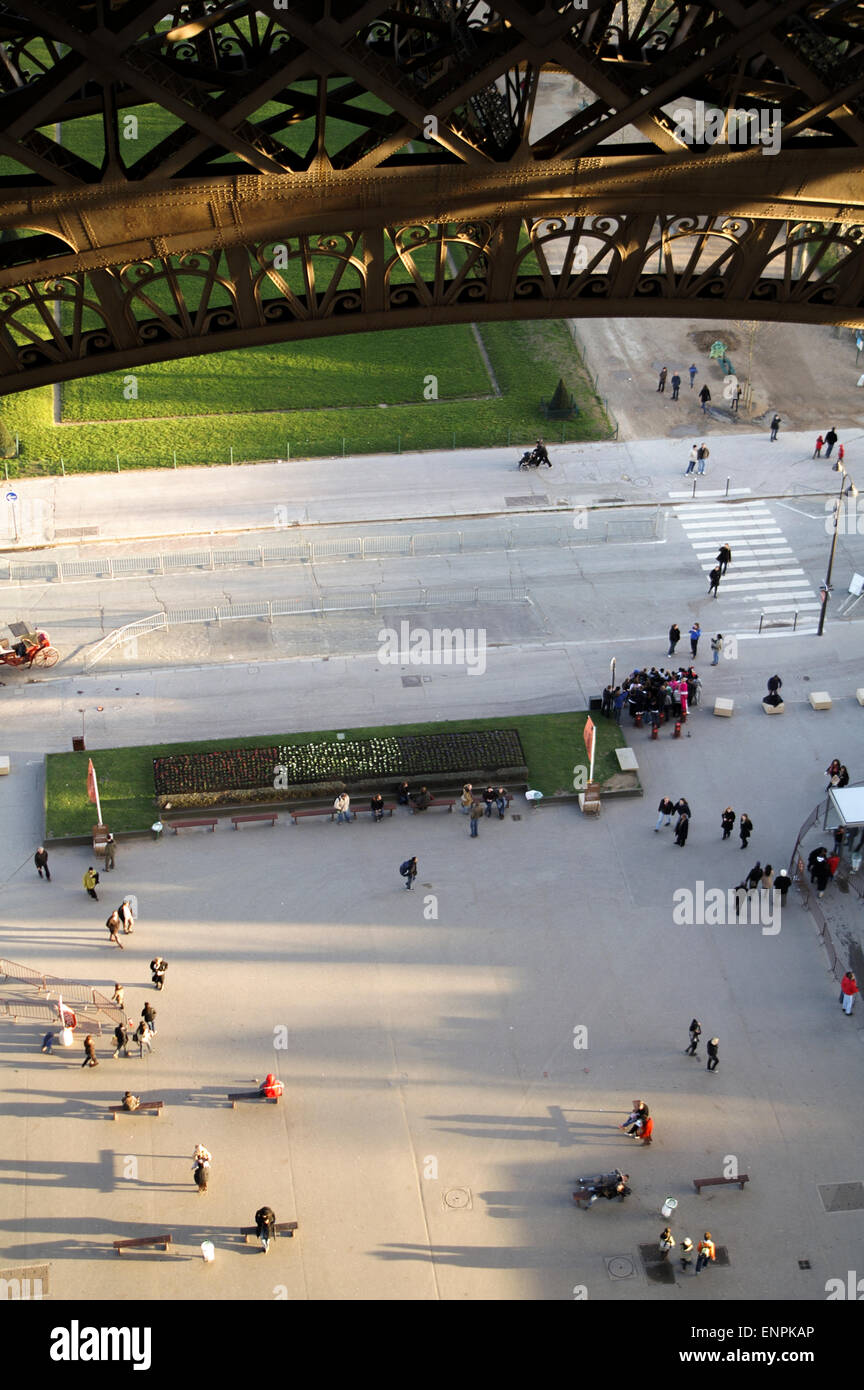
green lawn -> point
(382, 368)
(552, 744)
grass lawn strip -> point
(552, 744)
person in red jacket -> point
(271, 1088)
(848, 990)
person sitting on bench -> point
(271, 1088)
(130, 1102)
(376, 806)
(421, 800)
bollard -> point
(676, 733)
(655, 731)
(638, 720)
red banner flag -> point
(588, 735)
(91, 780)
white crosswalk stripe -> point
(764, 569)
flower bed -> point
(345, 760)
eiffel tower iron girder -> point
(174, 186)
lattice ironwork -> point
(184, 178)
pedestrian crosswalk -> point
(764, 577)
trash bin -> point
(595, 702)
(669, 1206)
(78, 744)
(156, 830)
(208, 1250)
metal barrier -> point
(607, 527)
(774, 620)
(336, 601)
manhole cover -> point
(842, 1196)
(458, 1199)
(620, 1267)
(803, 1264)
(411, 680)
(515, 817)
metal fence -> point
(88, 1001)
(318, 604)
(586, 527)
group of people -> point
(827, 443)
(706, 1250)
(712, 1047)
(122, 918)
(639, 1124)
(659, 694)
(699, 455)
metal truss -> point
(180, 179)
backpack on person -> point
(405, 868)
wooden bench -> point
(252, 1095)
(699, 1183)
(434, 804)
(190, 824)
(282, 1228)
(154, 1105)
(140, 1241)
(317, 811)
(369, 812)
(272, 816)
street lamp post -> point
(825, 589)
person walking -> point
(676, 385)
(830, 441)
(666, 1243)
(745, 829)
(110, 853)
(121, 1037)
(767, 880)
(113, 925)
(736, 398)
(200, 1171)
(665, 808)
(817, 452)
(265, 1226)
(713, 586)
(695, 634)
(681, 831)
(40, 859)
(661, 384)
(820, 872)
(841, 454)
(716, 648)
(674, 638)
(89, 1052)
(704, 396)
(118, 996)
(724, 557)
(408, 870)
(158, 966)
(143, 1037)
(782, 884)
(848, 990)
(342, 807)
(706, 1252)
(713, 1050)
(702, 456)
(127, 918)
(90, 881)
(727, 821)
(693, 460)
(682, 807)
(686, 1253)
(466, 801)
(695, 1035)
(692, 369)
(754, 877)
(775, 425)
(475, 815)
(148, 1013)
